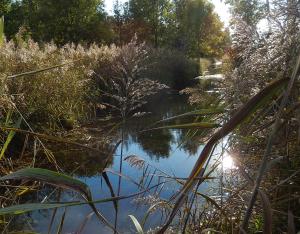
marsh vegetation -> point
(156, 119)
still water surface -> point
(167, 150)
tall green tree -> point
(151, 19)
(4, 7)
(118, 21)
(190, 26)
(199, 30)
(61, 21)
(250, 11)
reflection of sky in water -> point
(160, 150)
(179, 163)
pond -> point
(156, 154)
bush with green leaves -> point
(173, 68)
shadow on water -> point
(165, 150)
(158, 143)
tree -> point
(61, 21)
(200, 31)
(190, 26)
(118, 20)
(151, 19)
(4, 7)
(250, 11)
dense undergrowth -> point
(75, 90)
(46, 88)
(257, 114)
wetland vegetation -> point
(155, 118)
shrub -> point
(122, 78)
(123, 81)
(50, 96)
(173, 68)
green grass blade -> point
(202, 125)
(50, 177)
(8, 117)
(29, 73)
(193, 113)
(9, 138)
(59, 180)
(136, 224)
(110, 187)
(25, 208)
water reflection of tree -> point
(81, 162)
(190, 145)
(85, 163)
(189, 140)
(157, 144)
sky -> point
(220, 8)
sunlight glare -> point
(228, 163)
